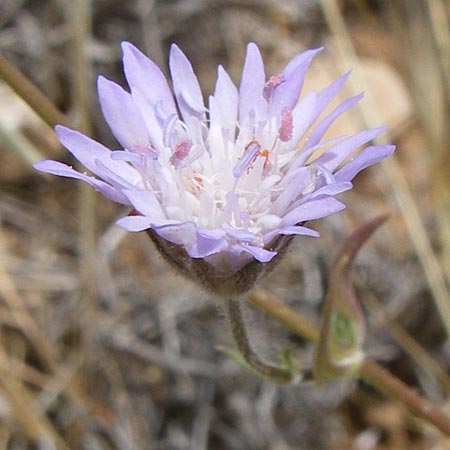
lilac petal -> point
(122, 114)
(290, 230)
(300, 230)
(339, 152)
(111, 177)
(63, 170)
(324, 97)
(303, 115)
(315, 209)
(251, 87)
(239, 235)
(146, 203)
(88, 151)
(286, 94)
(321, 128)
(135, 223)
(181, 233)
(330, 189)
(208, 243)
(363, 159)
(293, 184)
(151, 121)
(144, 75)
(260, 254)
(227, 97)
(185, 84)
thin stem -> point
(238, 330)
(370, 371)
(30, 93)
(385, 382)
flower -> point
(222, 188)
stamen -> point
(267, 166)
(182, 149)
(271, 84)
(285, 130)
(251, 152)
(168, 128)
(145, 150)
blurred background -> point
(103, 346)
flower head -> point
(223, 186)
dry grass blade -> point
(35, 425)
(440, 28)
(81, 13)
(407, 342)
(401, 190)
(22, 317)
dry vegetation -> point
(103, 347)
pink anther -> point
(271, 84)
(285, 130)
(182, 149)
(145, 150)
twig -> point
(370, 371)
(407, 342)
(30, 93)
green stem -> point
(370, 371)
(238, 330)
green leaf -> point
(339, 350)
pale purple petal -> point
(292, 185)
(208, 242)
(315, 209)
(227, 97)
(286, 94)
(339, 152)
(330, 189)
(111, 177)
(144, 75)
(239, 235)
(63, 170)
(321, 128)
(181, 233)
(290, 230)
(251, 87)
(135, 223)
(363, 159)
(304, 114)
(308, 113)
(88, 151)
(260, 254)
(122, 114)
(185, 84)
(145, 202)
(152, 123)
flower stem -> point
(239, 332)
(30, 93)
(370, 371)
